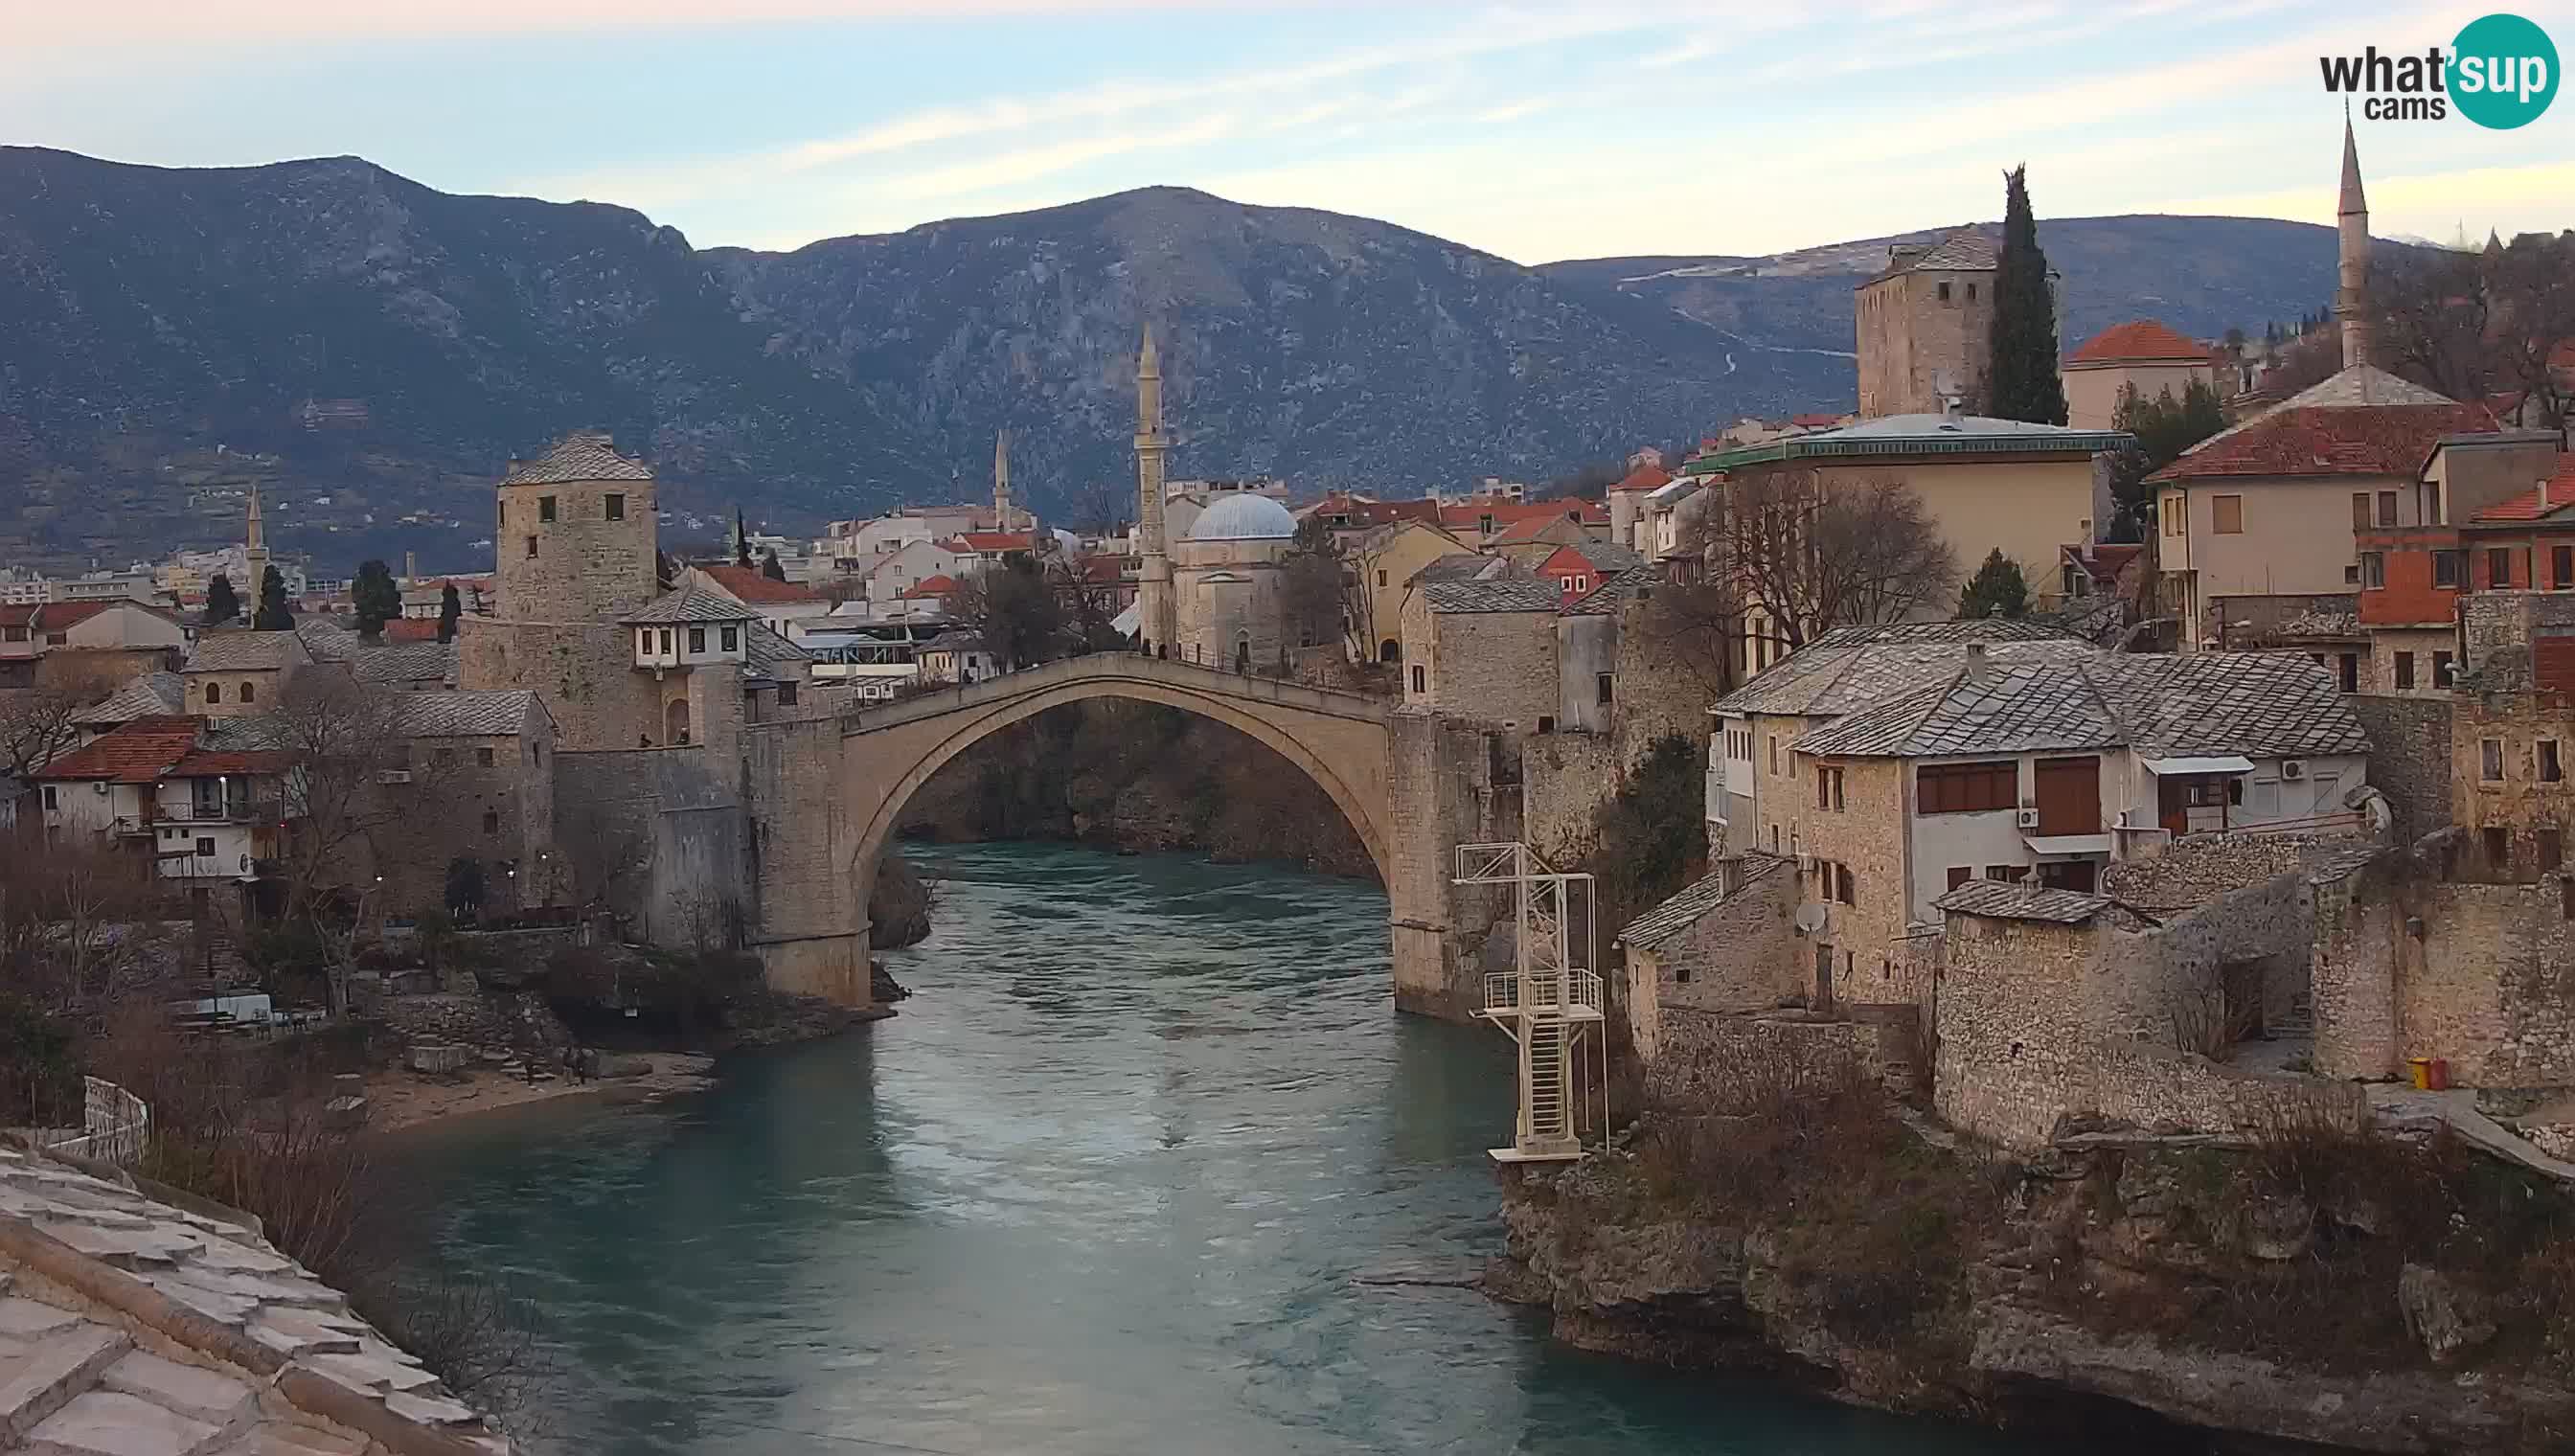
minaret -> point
(2352, 221)
(1154, 609)
(254, 550)
(1001, 481)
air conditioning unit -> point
(2028, 818)
(2293, 768)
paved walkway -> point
(2399, 1105)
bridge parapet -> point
(1116, 667)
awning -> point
(2219, 763)
(2073, 844)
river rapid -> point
(1114, 1182)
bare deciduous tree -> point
(343, 741)
(37, 724)
(1810, 554)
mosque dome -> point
(1243, 517)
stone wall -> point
(646, 832)
(1495, 666)
(585, 567)
(584, 673)
(498, 813)
(1740, 956)
(2496, 628)
(2409, 757)
(1565, 778)
(810, 916)
(1661, 690)
(519, 1021)
(1458, 783)
(2492, 987)
(1711, 1060)
(2534, 811)
(1586, 646)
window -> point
(2005, 873)
(2226, 515)
(787, 694)
(532, 548)
(665, 641)
(2498, 848)
(545, 508)
(2404, 671)
(491, 821)
(249, 693)
(2561, 567)
(214, 693)
(2550, 769)
(2490, 759)
(616, 507)
(2373, 568)
(1960, 873)
(1546, 722)
(1947, 788)
(205, 847)
(2360, 510)
(1944, 293)
(2498, 568)
(1381, 576)
(2350, 663)
(2552, 850)
(1972, 293)
(483, 757)
(2442, 671)
(2445, 568)
(1845, 886)
(1601, 687)
(1774, 756)
(732, 637)
(2172, 514)
(697, 638)
(1420, 679)
(1829, 789)
(2387, 508)
(442, 755)
(2351, 575)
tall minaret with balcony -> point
(1154, 605)
(254, 551)
(2351, 224)
(1001, 481)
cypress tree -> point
(741, 540)
(223, 603)
(771, 567)
(377, 599)
(272, 614)
(450, 609)
(2024, 384)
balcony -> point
(1571, 994)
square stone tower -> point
(576, 536)
(1926, 327)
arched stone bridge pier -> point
(825, 795)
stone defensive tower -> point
(2351, 225)
(1154, 605)
(576, 536)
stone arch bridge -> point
(826, 793)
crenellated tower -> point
(2351, 294)
(1154, 605)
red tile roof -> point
(2365, 439)
(139, 751)
(1645, 477)
(1359, 513)
(938, 586)
(2552, 495)
(208, 763)
(1535, 527)
(412, 628)
(746, 586)
(1814, 422)
(21, 613)
(988, 542)
(2139, 339)
(1512, 513)
(1104, 569)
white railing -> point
(114, 1124)
(1573, 988)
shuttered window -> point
(1941, 789)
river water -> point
(1109, 1184)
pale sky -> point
(1537, 132)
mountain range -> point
(369, 351)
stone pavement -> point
(2397, 1105)
(136, 1327)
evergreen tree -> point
(450, 609)
(222, 603)
(272, 614)
(1999, 589)
(379, 601)
(769, 568)
(2024, 384)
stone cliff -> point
(2304, 1289)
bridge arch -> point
(1337, 740)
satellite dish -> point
(1809, 918)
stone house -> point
(2142, 355)
(1720, 946)
(2486, 512)
(1897, 770)
(2271, 507)
(1627, 497)
(485, 763)
(1484, 650)
(241, 674)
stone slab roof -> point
(2261, 704)
(151, 694)
(468, 715)
(130, 1324)
(1966, 250)
(690, 606)
(2001, 902)
(1829, 678)
(1468, 565)
(771, 656)
(1494, 595)
(1667, 922)
(584, 455)
(1616, 590)
(247, 651)
(412, 661)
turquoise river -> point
(1111, 1183)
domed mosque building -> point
(1226, 576)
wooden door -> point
(2069, 795)
(2173, 806)
(1823, 978)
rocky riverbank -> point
(1141, 779)
(2302, 1290)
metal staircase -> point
(1549, 1004)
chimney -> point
(1979, 667)
(411, 565)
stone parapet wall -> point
(2409, 757)
(1713, 1061)
(1565, 778)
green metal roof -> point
(1833, 445)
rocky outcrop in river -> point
(2302, 1290)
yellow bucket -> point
(2421, 1070)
